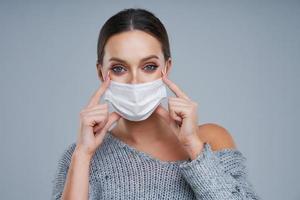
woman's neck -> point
(138, 132)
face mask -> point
(135, 102)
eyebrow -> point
(142, 60)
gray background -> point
(238, 59)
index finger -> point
(178, 92)
(99, 92)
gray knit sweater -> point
(119, 171)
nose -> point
(134, 81)
(134, 78)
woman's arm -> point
(77, 182)
(219, 175)
(72, 174)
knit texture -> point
(119, 171)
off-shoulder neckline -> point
(141, 153)
(149, 157)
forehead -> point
(134, 44)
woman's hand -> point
(182, 118)
(94, 122)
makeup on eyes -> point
(122, 67)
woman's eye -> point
(150, 67)
(117, 69)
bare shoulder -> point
(217, 136)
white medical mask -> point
(135, 102)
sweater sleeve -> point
(61, 172)
(219, 175)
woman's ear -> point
(100, 71)
(168, 66)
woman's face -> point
(133, 57)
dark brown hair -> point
(131, 19)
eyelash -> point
(118, 66)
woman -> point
(151, 152)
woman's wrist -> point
(82, 155)
(194, 146)
(195, 152)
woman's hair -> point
(131, 19)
